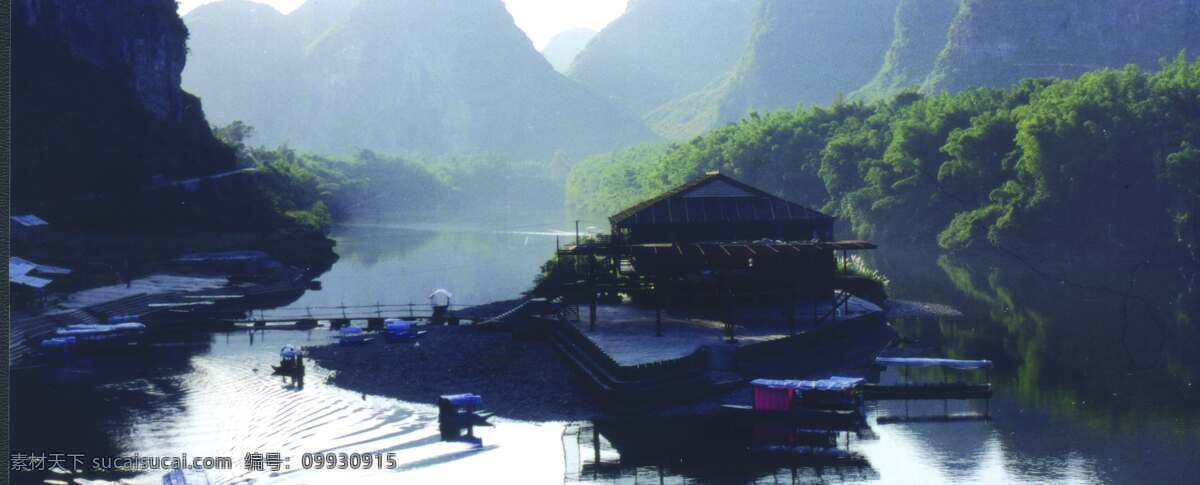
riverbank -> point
(518, 379)
(530, 380)
(172, 299)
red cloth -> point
(771, 399)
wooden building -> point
(712, 242)
(717, 235)
(718, 208)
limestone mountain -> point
(920, 35)
(799, 52)
(808, 52)
(663, 50)
(100, 111)
(406, 76)
(562, 48)
(998, 42)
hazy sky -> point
(540, 19)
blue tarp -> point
(463, 399)
(398, 325)
(928, 362)
(835, 383)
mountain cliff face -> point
(996, 43)
(920, 35)
(405, 76)
(808, 52)
(799, 52)
(141, 39)
(564, 47)
(100, 110)
(661, 50)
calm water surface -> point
(1081, 398)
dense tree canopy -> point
(1108, 159)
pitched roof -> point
(715, 197)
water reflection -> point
(710, 450)
(222, 400)
(1094, 379)
(400, 265)
(1090, 388)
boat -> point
(400, 330)
(945, 389)
(351, 335)
(190, 476)
(59, 343)
(120, 335)
(291, 363)
(458, 415)
(825, 404)
(462, 410)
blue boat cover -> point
(350, 330)
(99, 329)
(59, 342)
(396, 325)
(835, 383)
(927, 362)
(463, 399)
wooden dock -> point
(157, 310)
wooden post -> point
(591, 292)
(727, 308)
(592, 311)
(657, 311)
(595, 449)
(790, 308)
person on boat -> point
(289, 358)
(440, 299)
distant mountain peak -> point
(565, 46)
(399, 76)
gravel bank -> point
(518, 379)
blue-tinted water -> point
(1074, 403)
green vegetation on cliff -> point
(316, 191)
(920, 35)
(1107, 161)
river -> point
(1080, 397)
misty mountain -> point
(405, 76)
(996, 43)
(809, 52)
(799, 52)
(662, 50)
(920, 35)
(562, 48)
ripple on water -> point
(227, 405)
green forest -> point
(316, 191)
(1109, 159)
